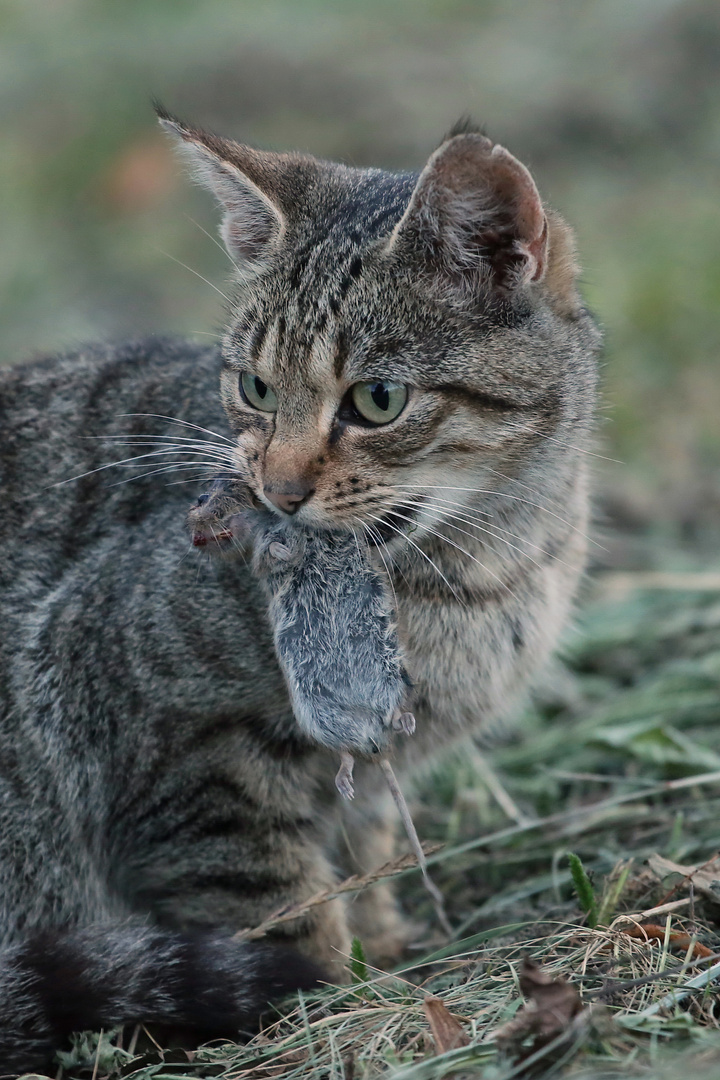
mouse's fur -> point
(333, 623)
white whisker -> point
(382, 557)
(150, 440)
(447, 540)
(215, 241)
(424, 555)
(450, 514)
(566, 445)
(496, 531)
(125, 462)
(175, 420)
(185, 480)
(211, 472)
(502, 495)
(196, 273)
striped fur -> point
(150, 764)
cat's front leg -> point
(241, 840)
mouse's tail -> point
(57, 982)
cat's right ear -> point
(249, 185)
(475, 220)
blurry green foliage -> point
(615, 107)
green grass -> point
(619, 758)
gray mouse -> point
(332, 620)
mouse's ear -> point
(258, 191)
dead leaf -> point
(676, 938)
(705, 877)
(447, 1030)
(552, 1005)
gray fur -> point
(150, 762)
(331, 614)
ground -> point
(617, 761)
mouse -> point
(332, 618)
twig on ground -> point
(355, 883)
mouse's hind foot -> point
(404, 721)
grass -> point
(618, 759)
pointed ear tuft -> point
(475, 219)
(243, 181)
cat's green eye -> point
(257, 393)
(379, 402)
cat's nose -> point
(291, 497)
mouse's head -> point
(223, 520)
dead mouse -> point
(332, 619)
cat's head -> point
(395, 337)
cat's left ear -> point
(256, 189)
(475, 219)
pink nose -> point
(291, 498)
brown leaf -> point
(552, 1004)
(705, 877)
(676, 939)
(447, 1030)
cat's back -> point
(63, 419)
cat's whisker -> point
(196, 273)
(534, 491)
(205, 452)
(176, 454)
(151, 440)
(382, 557)
(458, 547)
(208, 452)
(215, 241)
(457, 517)
(425, 556)
(501, 495)
(491, 529)
(125, 462)
(374, 535)
(514, 480)
(176, 420)
(566, 445)
(211, 472)
(187, 479)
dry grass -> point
(620, 761)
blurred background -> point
(614, 106)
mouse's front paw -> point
(344, 778)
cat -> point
(407, 356)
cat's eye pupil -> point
(380, 395)
(257, 393)
(378, 402)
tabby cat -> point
(406, 356)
